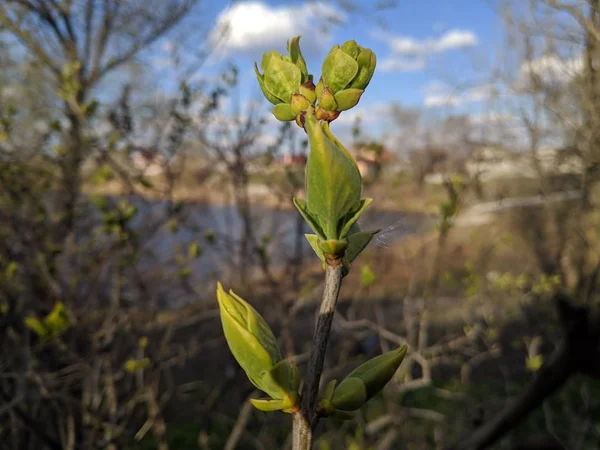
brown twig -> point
(306, 419)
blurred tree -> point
(58, 248)
(556, 92)
(78, 44)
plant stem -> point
(306, 419)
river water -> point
(215, 231)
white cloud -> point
(410, 55)
(405, 45)
(439, 94)
(402, 64)
(550, 70)
(450, 40)
(454, 39)
(254, 25)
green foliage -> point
(194, 250)
(255, 348)
(534, 363)
(102, 174)
(357, 241)
(333, 182)
(348, 67)
(509, 283)
(333, 203)
(136, 365)
(51, 326)
(282, 77)
(332, 209)
(330, 194)
(143, 342)
(70, 83)
(363, 383)
(449, 208)
(472, 281)
(9, 271)
(184, 273)
(210, 236)
(367, 276)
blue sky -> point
(432, 54)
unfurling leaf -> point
(333, 182)
(135, 365)
(254, 347)
(367, 380)
(36, 325)
(51, 326)
(282, 75)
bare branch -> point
(306, 419)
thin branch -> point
(306, 419)
(157, 32)
(27, 40)
(577, 14)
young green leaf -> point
(250, 339)
(254, 347)
(367, 380)
(333, 183)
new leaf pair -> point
(333, 196)
(254, 346)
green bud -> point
(249, 337)
(348, 98)
(350, 225)
(307, 89)
(351, 48)
(314, 240)
(333, 182)
(366, 68)
(357, 242)
(281, 383)
(299, 103)
(339, 69)
(319, 87)
(254, 347)
(333, 247)
(348, 66)
(282, 75)
(333, 204)
(268, 95)
(326, 408)
(283, 112)
(327, 100)
(367, 380)
(296, 57)
(281, 79)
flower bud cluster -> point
(286, 83)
